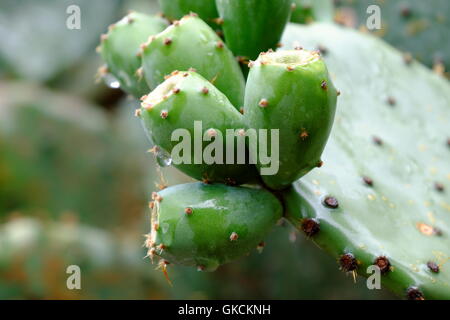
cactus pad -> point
(413, 26)
(382, 196)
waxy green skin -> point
(176, 9)
(121, 47)
(253, 26)
(297, 104)
(381, 219)
(193, 44)
(189, 105)
(412, 26)
(202, 238)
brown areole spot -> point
(164, 114)
(263, 103)
(234, 236)
(439, 187)
(310, 226)
(391, 101)
(368, 181)
(220, 44)
(413, 293)
(433, 266)
(407, 58)
(303, 134)
(331, 202)
(323, 50)
(348, 262)
(377, 141)
(383, 263)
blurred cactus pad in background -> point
(86, 177)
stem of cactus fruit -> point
(192, 44)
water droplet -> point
(163, 158)
(111, 81)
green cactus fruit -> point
(191, 43)
(307, 11)
(253, 26)
(291, 91)
(177, 9)
(188, 101)
(416, 27)
(120, 49)
(383, 192)
(206, 226)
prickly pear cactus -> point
(413, 26)
(290, 91)
(382, 197)
(307, 11)
(191, 43)
(206, 226)
(183, 99)
(253, 26)
(176, 9)
(120, 49)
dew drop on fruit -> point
(111, 81)
(163, 158)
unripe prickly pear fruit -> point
(291, 91)
(191, 43)
(120, 49)
(188, 101)
(206, 226)
(253, 26)
(176, 9)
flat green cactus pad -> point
(414, 26)
(383, 193)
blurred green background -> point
(75, 180)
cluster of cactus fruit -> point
(188, 73)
